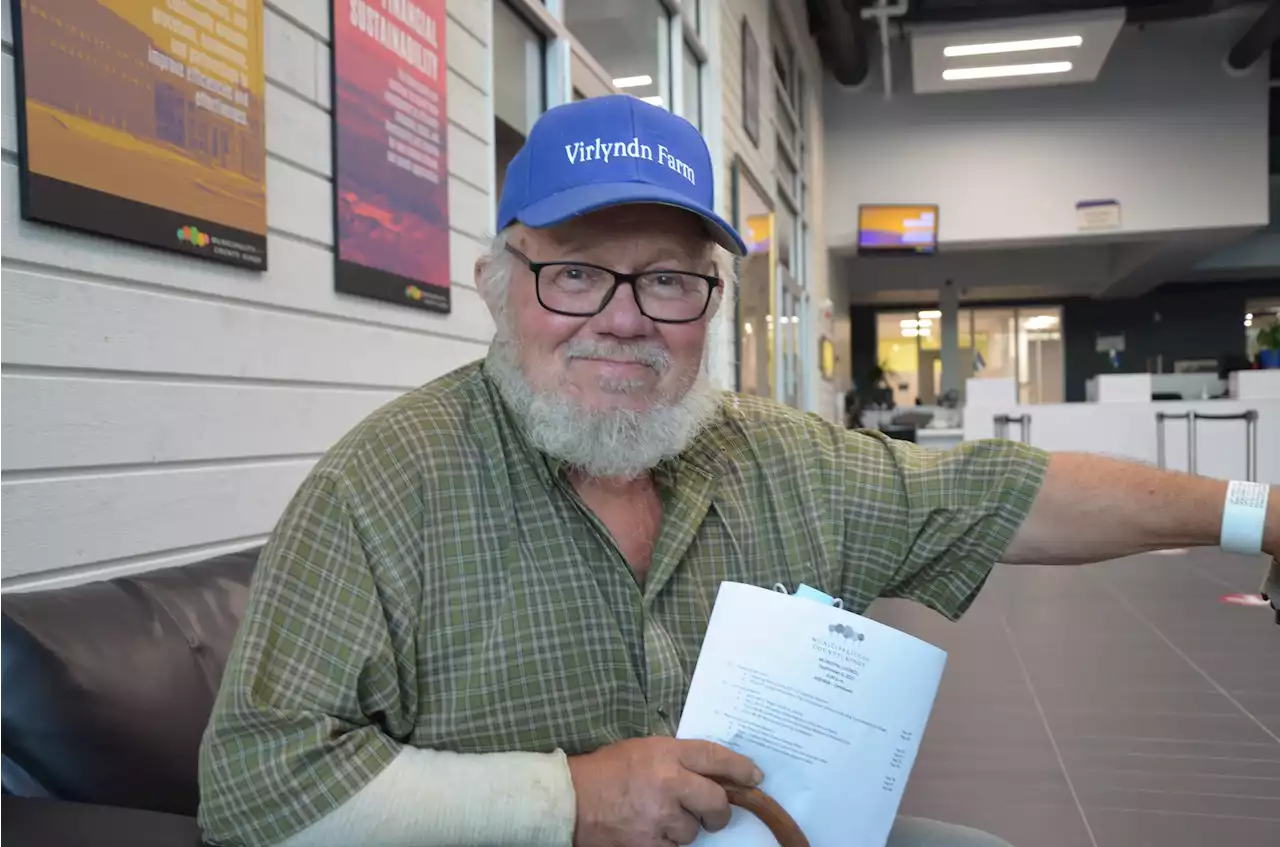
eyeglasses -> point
(580, 289)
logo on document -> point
(842, 644)
(846, 631)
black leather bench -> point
(108, 687)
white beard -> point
(601, 443)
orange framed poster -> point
(143, 120)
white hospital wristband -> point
(1244, 514)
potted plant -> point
(1269, 346)
(880, 393)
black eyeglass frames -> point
(581, 289)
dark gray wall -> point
(1178, 321)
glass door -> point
(1023, 344)
(754, 302)
(790, 356)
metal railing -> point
(1249, 417)
(1024, 426)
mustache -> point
(644, 354)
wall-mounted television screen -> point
(897, 229)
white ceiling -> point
(1098, 31)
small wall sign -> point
(1097, 215)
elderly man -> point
(477, 621)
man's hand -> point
(654, 792)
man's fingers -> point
(705, 800)
(716, 760)
(683, 830)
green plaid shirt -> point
(437, 582)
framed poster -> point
(143, 120)
(391, 202)
(750, 83)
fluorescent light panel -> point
(633, 81)
(1013, 46)
(655, 100)
(1006, 70)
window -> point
(1260, 315)
(692, 88)
(631, 39)
(898, 337)
(518, 84)
(795, 337)
(786, 235)
(1041, 367)
(1023, 343)
(753, 301)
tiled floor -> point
(1115, 705)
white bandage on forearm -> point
(431, 798)
(1244, 517)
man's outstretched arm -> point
(1091, 508)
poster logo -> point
(193, 236)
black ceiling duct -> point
(841, 34)
(1256, 39)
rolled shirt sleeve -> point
(929, 525)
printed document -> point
(831, 705)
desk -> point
(939, 438)
(1128, 430)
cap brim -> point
(572, 202)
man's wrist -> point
(1271, 528)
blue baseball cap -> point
(609, 151)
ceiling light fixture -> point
(953, 74)
(633, 81)
(653, 101)
(1013, 46)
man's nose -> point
(621, 316)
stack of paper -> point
(831, 705)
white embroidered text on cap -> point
(634, 149)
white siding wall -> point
(757, 159)
(158, 409)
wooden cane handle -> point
(784, 828)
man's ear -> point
(483, 274)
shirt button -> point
(662, 712)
